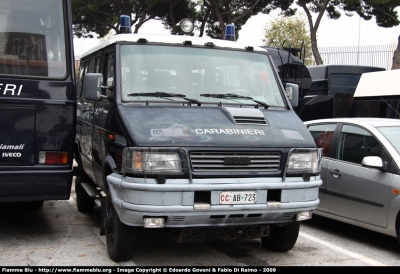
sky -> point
(346, 31)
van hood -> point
(238, 127)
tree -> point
(289, 31)
(383, 11)
(99, 16)
(91, 17)
(236, 12)
(396, 56)
(178, 10)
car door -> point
(323, 135)
(354, 191)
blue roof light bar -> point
(230, 32)
(125, 24)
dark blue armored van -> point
(195, 136)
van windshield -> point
(202, 74)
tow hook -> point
(265, 231)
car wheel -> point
(281, 238)
(83, 200)
(121, 239)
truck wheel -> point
(83, 200)
(121, 238)
(281, 238)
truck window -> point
(373, 108)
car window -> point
(392, 135)
(356, 143)
(322, 135)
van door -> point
(86, 114)
(101, 133)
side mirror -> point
(375, 162)
(92, 86)
(292, 92)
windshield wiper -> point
(166, 95)
(235, 96)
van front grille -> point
(230, 161)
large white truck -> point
(378, 95)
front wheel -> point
(281, 238)
(121, 239)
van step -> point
(91, 190)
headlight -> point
(304, 161)
(158, 161)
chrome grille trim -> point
(215, 161)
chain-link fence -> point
(376, 56)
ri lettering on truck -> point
(193, 136)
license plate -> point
(238, 197)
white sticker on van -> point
(171, 132)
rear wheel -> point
(83, 200)
(281, 238)
(121, 239)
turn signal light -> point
(53, 157)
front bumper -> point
(136, 198)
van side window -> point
(322, 135)
(97, 64)
(80, 77)
(110, 72)
(356, 143)
(91, 65)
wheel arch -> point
(109, 166)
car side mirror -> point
(375, 162)
(92, 86)
(292, 92)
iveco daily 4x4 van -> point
(192, 135)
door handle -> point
(335, 172)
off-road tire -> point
(121, 240)
(281, 238)
(83, 200)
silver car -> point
(360, 170)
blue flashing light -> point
(230, 32)
(125, 24)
